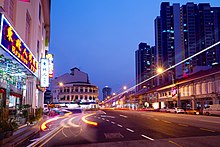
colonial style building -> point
(24, 40)
(74, 87)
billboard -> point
(44, 74)
(50, 64)
(12, 43)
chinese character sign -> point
(51, 66)
(14, 45)
(44, 78)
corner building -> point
(74, 87)
(24, 40)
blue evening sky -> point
(100, 37)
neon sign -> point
(44, 73)
(13, 44)
(50, 64)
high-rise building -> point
(182, 31)
(106, 91)
(144, 60)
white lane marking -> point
(156, 119)
(107, 120)
(103, 112)
(147, 137)
(113, 122)
(107, 116)
(103, 119)
(123, 116)
(98, 117)
(129, 130)
(119, 125)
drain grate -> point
(113, 135)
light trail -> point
(89, 122)
(173, 66)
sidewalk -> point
(22, 134)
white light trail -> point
(133, 87)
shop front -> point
(17, 63)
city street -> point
(137, 128)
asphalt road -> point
(134, 128)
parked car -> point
(212, 110)
(45, 109)
(193, 111)
(176, 110)
(164, 109)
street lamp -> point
(61, 84)
(159, 70)
(113, 94)
(125, 87)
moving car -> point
(212, 110)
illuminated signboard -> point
(44, 74)
(15, 46)
(50, 64)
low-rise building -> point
(75, 88)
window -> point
(86, 97)
(81, 97)
(76, 89)
(38, 50)
(76, 97)
(9, 7)
(68, 90)
(39, 13)
(81, 90)
(68, 98)
(86, 90)
(28, 30)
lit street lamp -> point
(159, 70)
(125, 87)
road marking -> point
(206, 130)
(98, 117)
(166, 121)
(113, 122)
(123, 116)
(156, 119)
(183, 125)
(107, 120)
(129, 130)
(147, 137)
(170, 141)
(48, 138)
(107, 116)
(119, 125)
(103, 119)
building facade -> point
(106, 91)
(182, 31)
(74, 87)
(144, 63)
(25, 35)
